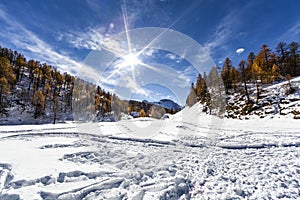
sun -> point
(131, 59)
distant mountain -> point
(168, 104)
(164, 105)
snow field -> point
(183, 157)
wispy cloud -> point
(225, 31)
(93, 5)
(186, 76)
(134, 86)
(90, 39)
(221, 35)
(29, 42)
(292, 33)
(26, 40)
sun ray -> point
(159, 70)
(125, 19)
(150, 67)
(131, 59)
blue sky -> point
(63, 33)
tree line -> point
(265, 67)
(42, 91)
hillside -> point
(277, 100)
(263, 84)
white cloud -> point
(240, 50)
(171, 56)
(149, 52)
(174, 57)
(111, 25)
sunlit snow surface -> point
(175, 158)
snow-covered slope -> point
(190, 155)
(275, 101)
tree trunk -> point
(257, 94)
(55, 102)
(54, 111)
(1, 101)
(246, 91)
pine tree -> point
(116, 106)
(234, 77)
(142, 113)
(262, 60)
(6, 71)
(38, 100)
(98, 104)
(249, 69)
(282, 50)
(19, 63)
(7, 80)
(257, 72)
(217, 92)
(47, 93)
(244, 75)
(55, 103)
(294, 59)
(47, 76)
(31, 65)
(37, 74)
(226, 74)
(201, 89)
(4, 89)
(275, 73)
(192, 98)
